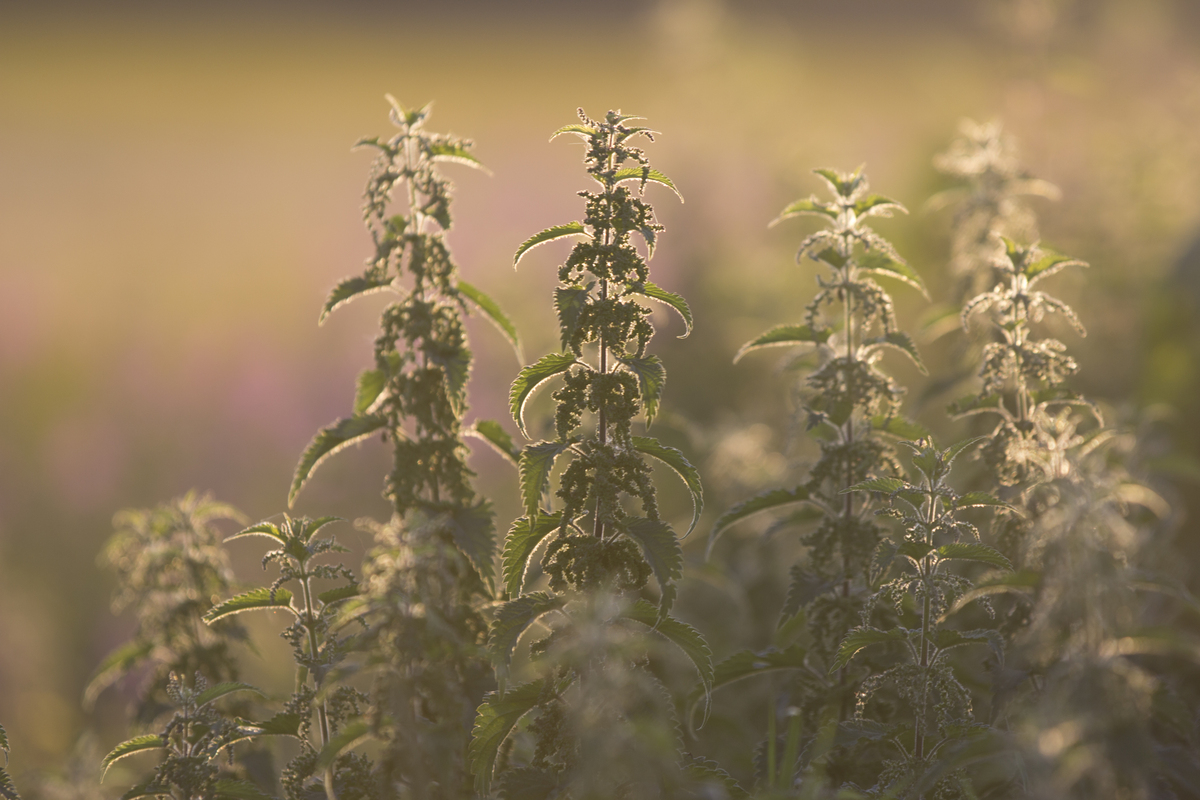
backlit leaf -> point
(351, 289)
(139, 744)
(974, 551)
(899, 427)
(577, 129)
(455, 153)
(979, 500)
(708, 773)
(531, 378)
(1050, 263)
(265, 529)
(946, 639)
(880, 263)
(331, 440)
(331, 596)
(512, 619)
(367, 390)
(474, 533)
(661, 549)
(877, 204)
(651, 375)
(8, 790)
(682, 635)
(901, 341)
(250, 601)
(351, 735)
(496, 437)
(682, 467)
(522, 540)
(748, 664)
(214, 693)
(763, 502)
(861, 637)
(549, 235)
(114, 665)
(645, 175)
(676, 302)
(810, 206)
(973, 404)
(536, 463)
(494, 721)
(495, 315)
(955, 450)
(785, 335)
(569, 302)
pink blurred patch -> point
(86, 459)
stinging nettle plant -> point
(599, 555)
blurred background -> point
(178, 194)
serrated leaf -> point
(495, 315)
(705, 771)
(8, 790)
(278, 725)
(1050, 263)
(955, 450)
(569, 302)
(673, 300)
(974, 551)
(829, 255)
(645, 175)
(353, 288)
(511, 620)
(945, 639)
(861, 637)
(650, 236)
(885, 485)
(661, 549)
(455, 153)
(841, 184)
(809, 206)
(973, 404)
(474, 533)
(1023, 583)
(580, 130)
(329, 441)
(522, 540)
(494, 721)
(531, 378)
(268, 529)
(351, 735)
(914, 550)
(249, 601)
(367, 390)
(880, 263)
(147, 789)
(139, 744)
(979, 500)
(491, 432)
(803, 587)
(871, 203)
(214, 693)
(651, 375)
(339, 594)
(782, 336)
(748, 664)
(549, 235)
(534, 469)
(899, 427)
(239, 790)
(682, 635)
(4, 743)
(682, 467)
(903, 342)
(763, 502)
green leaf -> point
(239, 790)
(490, 432)
(8, 791)
(880, 263)
(249, 601)
(577, 129)
(979, 500)
(351, 735)
(843, 185)
(455, 153)
(748, 664)
(1023, 582)
(267, 529)
(946, 639)
(115, 664)
(331, 440)
(139, 744)
(536, 463)
(214, 693)
(331, 596)
(369, 387)
(682, 635)
(955, 450)
(830, 256)
(763, 502)
(974, 551)
(885, 485)
(147, 789)
(650, 236)
(495, 315)
(531, 378)
(870, 203)
(549, 235)
(901, 341)
(663, 553)
(899, 427)
(512, 619)
(494, 721)
(974, 404)
(651, 375)
(1050, 263)
(709, 773)
(645, 175)
(683, 468)
(474, 533)
(523, 538)
(861, 637)
(351, 289)
(673, 300)
(914, 550)
(810, 206)
(4, 743)
(570, 301)
(278, 725)
(785, 335)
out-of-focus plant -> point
(851, 407)
(429, 580)
(7, 790)
(169, 565)
(599, 727)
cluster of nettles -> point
(599, 554)
(431, 574)
(850, 403)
